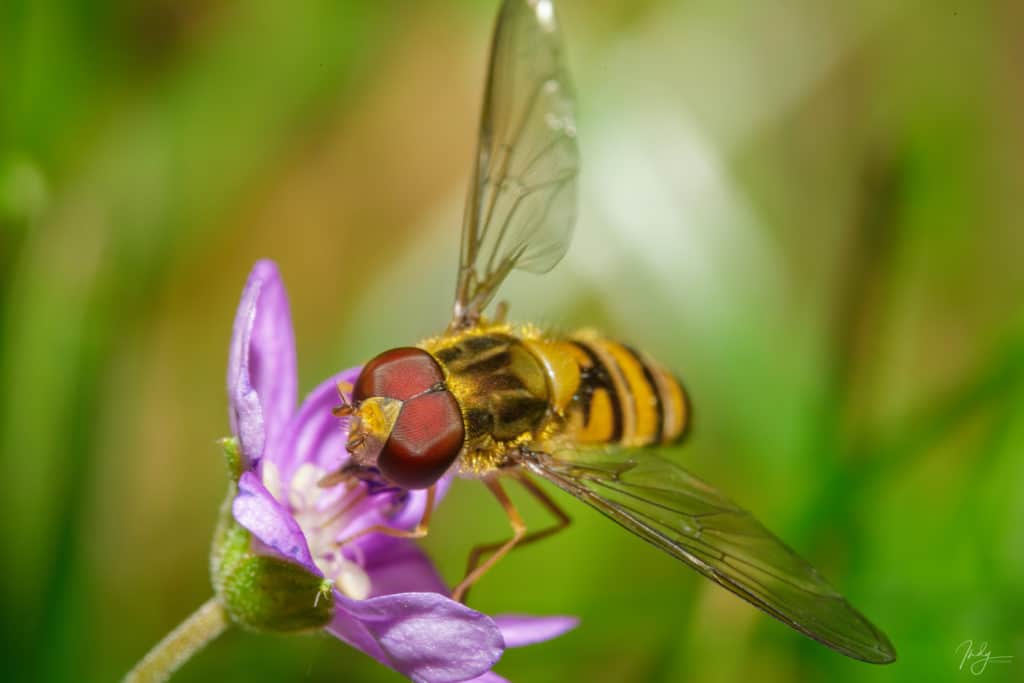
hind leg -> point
(474, 569)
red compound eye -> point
(425, 441)
(398, 373)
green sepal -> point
(233, 457)
(264, 593)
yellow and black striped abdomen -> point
(611, 393)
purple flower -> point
(388, 599)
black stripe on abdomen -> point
(597, 376)
(659, 406)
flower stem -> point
(202, 627)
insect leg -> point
(518, 532)
(420, 531)
(551, 506)
(545, 500)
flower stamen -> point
(324, 514)
(359, 497)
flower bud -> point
(260, 592)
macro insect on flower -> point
(498, 402)
(325, 521)
(388, 599)
(291, 553)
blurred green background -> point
(811, 210)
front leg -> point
(421, 530)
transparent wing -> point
(677, 512)
(522, 201)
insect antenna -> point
(346, 408)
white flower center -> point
(323, 515)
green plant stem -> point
(202, 627)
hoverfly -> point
(498, 402)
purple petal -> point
(397, 509)
(402, 567)
(519, 630)
(262, 383)
(314, 435)
(425, 636)
(349, 629)
(270, 522)
(489, 677)
(411, 513)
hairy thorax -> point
(518, 388)
(502, 389)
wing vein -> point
(650, 496)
